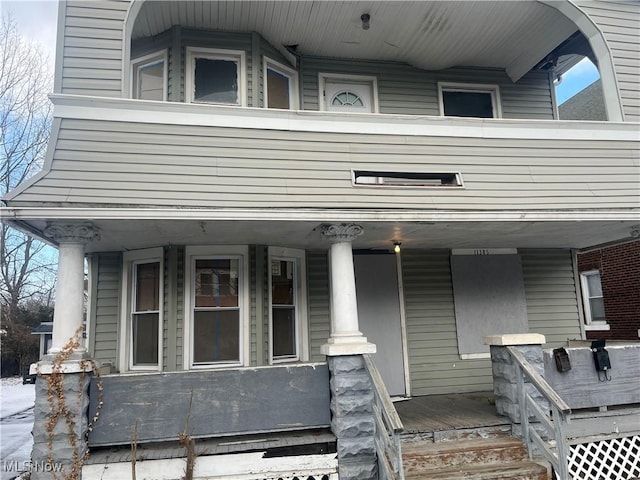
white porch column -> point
(346, 338)
(68, 313)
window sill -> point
(596, 327)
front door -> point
(379, 315)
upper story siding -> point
(93, 52)
(620, 22)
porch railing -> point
(388, 427)
(553, 425)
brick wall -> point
(620, 275)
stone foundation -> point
(352, 418)
(58, 442)
(504, 370)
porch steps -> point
(496, 457)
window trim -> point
(193, 253)
(302, 328)
(129, 260)
(492, 89)
(290, 73)
(348, 78)
(238, 56)
(590, 324)
(145, 60)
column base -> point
(354, 345)
(77, 362)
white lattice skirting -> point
(613, 459)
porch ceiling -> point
(120, 235)
(433, 35)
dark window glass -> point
(216, 81)
(216, 336)
(467, 104)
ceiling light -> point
(365, 17)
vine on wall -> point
(59, 410)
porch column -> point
(61, 424)
(67, 317)
(346, 337)
(352, 420)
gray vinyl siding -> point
(178, 165)
(435, 366)
(434, 363)
(619, 22)
(405, 90)
(552, 301)
(107, 307)
(318, 303)
(92, 51)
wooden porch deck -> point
(451, 416)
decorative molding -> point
(72, 232)
(341, 232)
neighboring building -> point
(238, 175)
(588, 104)
(610, 279)
(45, 334)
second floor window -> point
(215, 76)
(469, 100)
(281, 84)
(149, 77)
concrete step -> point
(523, 470)
(498, 456)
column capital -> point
(72, 232)
(341, 232)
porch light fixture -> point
(365, 17)
(396, 246)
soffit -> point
(119, 235)
(511, 35)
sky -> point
(37, 20)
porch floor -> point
(451, 415)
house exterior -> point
(238, 176)
(587, 104)
(609, 278)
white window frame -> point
(590, 324)
(290, 73)
(193, 253)
(129, 260)
(493, 90)
(146, 60)
(348, 78)
(302, 328)
(238, 56)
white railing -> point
(556, 451)
(388, 427)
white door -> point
(379, 315)
(343, 96)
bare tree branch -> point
(27, 266)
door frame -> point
(347, 78)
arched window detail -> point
(347, 99)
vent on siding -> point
(405, 179)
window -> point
(149, 77)
(469, 100)
(406, 179)
(217, 305)
(281, 86)
(287, 296)
(216, 76)
(593, 300)
(143, 291)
